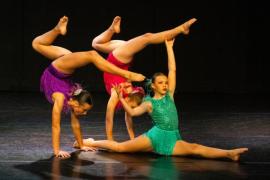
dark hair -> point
(150, 81)
(83, 97)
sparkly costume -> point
(54, 81)
(165, 132)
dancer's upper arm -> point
(58, 99)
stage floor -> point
(223, 121)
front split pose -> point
(121, 54)
(164, 137)
(60, 90)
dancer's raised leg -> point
(42, 43)
(126, 52)
(70, 62)
(103, 41)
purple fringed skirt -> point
(54, 81)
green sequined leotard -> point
(165, 132)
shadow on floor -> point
(107, 165)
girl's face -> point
(160, 85)
(81, 109)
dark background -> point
(226, 51)
(222, 94)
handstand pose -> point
(164, 138)
(58, 87)
(121, 54)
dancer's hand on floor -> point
(63, 154)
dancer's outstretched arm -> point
(76, 128)
(111, 106)
(58, 99)
(129, 124)
(171, 67)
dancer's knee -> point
(120, 147)
(35, 44)
(95, 45)
(91, 53)
(194, 148)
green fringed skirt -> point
(163, 141)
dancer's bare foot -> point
(115, 26)
(61, 27)
(235, 153)
(185, 26)
(86, 142)
(135, 77)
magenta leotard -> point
(113, 79)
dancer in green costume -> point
(164, 138)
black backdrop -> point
(226, 51)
